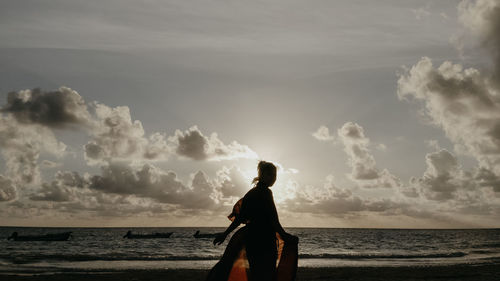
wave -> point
(22, 259)
(488, 245)
(384, 256)
(79, 258)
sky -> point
(155, 113)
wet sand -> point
(454, 272)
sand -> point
(455, 272)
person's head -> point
(267, 174)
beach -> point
(483, 272)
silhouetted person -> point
(257, 241)
(128, 235)
(13, 236)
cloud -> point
(356, 145)
(7, 189)
(152, 182)
(360, 159)
(21, 145)
(57, 109)
(482, 17)
(63, 188)
(332, 200)
(115, 136)
(462, 101)
(442, 178)
(194, 145)
(122, 184)
(231, 182)
(323, 134)
(487, 178)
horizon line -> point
(380, 228)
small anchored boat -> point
(130, 235)
(63, 236)
(205, 235)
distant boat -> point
(205, 235)
(129, 235)
(63, 236)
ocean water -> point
(104, 248)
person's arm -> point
(222, 236)
(277, 225)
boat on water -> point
(130, 235)
(205, 235)
(62, 236)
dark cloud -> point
(55, 109)
(487, 178)
(442, 178)
(194, 145)
(152, 182)
(145, 189)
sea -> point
(106, 249)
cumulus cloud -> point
(115, 136)
(364, 167)
(21, 146)
(152, 182)
(57, 109)
(462, 101)
(442, 178)
(148, 188)
(356, 145)
(194, 145)
(456, 190)
(231, 182)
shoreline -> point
(467, 272)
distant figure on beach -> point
(253, 251)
